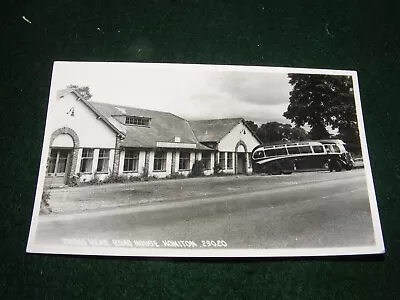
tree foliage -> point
(84, 91)
(321, 101)
(275, 131)
(253, 126)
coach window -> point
(280, 151)
(160, 159)
(87, 161)
(305, 149)
(258, 154)
(293, 150)
(318, 149)
(269, 152)
(336, 148)
(184, 160)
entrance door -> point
(59, 165)
(241, 163)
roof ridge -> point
(133, 107)
(220, 119)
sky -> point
(192, 92)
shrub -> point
(217, 169)
(176, 175)
(197, 169)
(44, 203)
(135, 178)
(95, 180)
(74, 180)
(115, 178)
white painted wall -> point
(228, 143)
(63, 141)
(92, 132)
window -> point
(87, 160)
(104, 158)
(140, 121)
(207, 160)
(184, 161)
(229, 161)
(57, 161)
(293, 150)
(280, 151)
(336, 149)
(305, 149)
(222, 160)
(52, 162)
(332, 148)
(160, 159)
(258, 154)
(131, 161)
(318, 149)
(269, 152)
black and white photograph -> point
(182, 160)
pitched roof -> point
(213, 130)
(164, 126)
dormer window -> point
(139, 121)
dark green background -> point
(323, 34)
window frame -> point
(137, 121)
(222, 160)
(207, 160)
(134, 160)
(160, 159)
(184, 162)
(105, 161)
(229, 160)
(85, 158)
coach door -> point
(59, 165)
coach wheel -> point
(276, 169)
(348, 168)
(338, 166)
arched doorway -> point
(241, 158)
(63, 145)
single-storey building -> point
(89, 139)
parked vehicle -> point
(286, 157)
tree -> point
(253, 126)
(275, 132)
(321, 101)
(83, 91)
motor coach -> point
(286, 157)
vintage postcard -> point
(181, 160)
